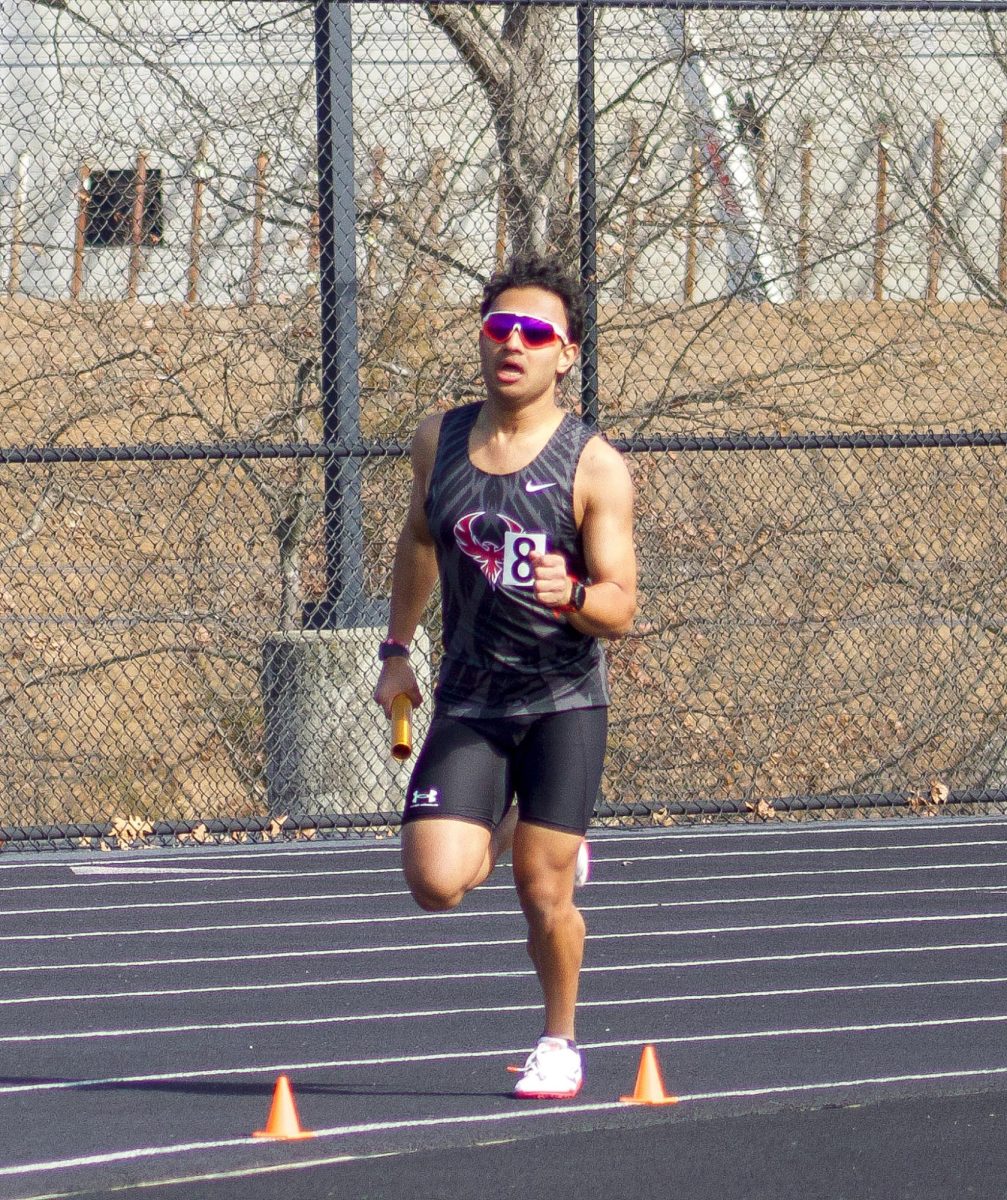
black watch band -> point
(390, 648)
(578, 593)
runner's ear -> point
(567, 357)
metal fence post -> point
(588, 210)
(343, 605)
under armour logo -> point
(428, 799)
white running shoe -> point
(551, 1072)
(582, 871)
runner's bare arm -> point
(603, 500)
(414, 572)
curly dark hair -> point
(535, 270)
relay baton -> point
(402, 727)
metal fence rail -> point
(240, 248)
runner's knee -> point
(442, 860)
(435, 895)
(546, 897)
(433, 887)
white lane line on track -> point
(819, 872)
(199, 902)
(39, 859)
(834, 1084)
(327, 923)
(175, 881)
(426, 1014)
(142, 868)
(121, 1189)
(328, 1160)
(202, 902)
(809, 852)
(455, 976)
(220, 902)
(854, 828)
(426, 947)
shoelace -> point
(534, 1061)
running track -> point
(828, 1002)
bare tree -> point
(516, 58)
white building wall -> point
(163, 74)
(159, 77)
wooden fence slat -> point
(379, 160)
(196, 227)
(881, 214)
(934, 235)
(258, 226)
(804, 217)
(632, 205)
(692, 224)
(17, 223)
(80, 229)
(1002, 238)
(136, 225)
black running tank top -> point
(504, 653)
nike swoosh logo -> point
(539, 487)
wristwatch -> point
(390, 648)
(578, 594)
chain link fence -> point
(241, 246)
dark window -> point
(110, 208)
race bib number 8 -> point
(518, 549)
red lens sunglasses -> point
(533, 331)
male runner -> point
(526, 514)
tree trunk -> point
(533, 116)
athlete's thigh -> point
(458, 791)
(443, 858)
(558, 768)
(460, 772)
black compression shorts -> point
(474, 768)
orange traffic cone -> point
(283, 1122)
(649, 1085)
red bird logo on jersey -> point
(489, 555)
